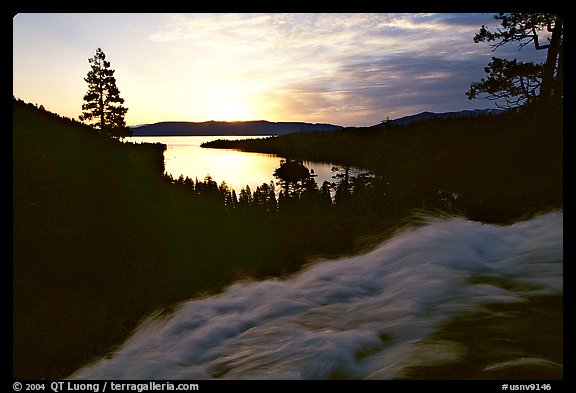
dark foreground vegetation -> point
(101, 237)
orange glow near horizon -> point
(229, 107)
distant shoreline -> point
(207, 135)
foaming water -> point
(358, 317)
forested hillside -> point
(82, 247)
(490, 168)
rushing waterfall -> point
(364, 317)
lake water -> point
(184, 156)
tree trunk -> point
(101, 104)
(559, 82)
(551, 59)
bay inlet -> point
(184, 156)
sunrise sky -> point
(346, 69)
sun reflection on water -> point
(184, 156)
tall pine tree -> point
(103, 104)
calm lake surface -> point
(184, 156)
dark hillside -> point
(81, 247)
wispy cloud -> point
(326, 64)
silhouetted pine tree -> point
(245, 199)
(103, 103)
(516, 82)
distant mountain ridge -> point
(209, 128)
(443, 115)
(264, 127)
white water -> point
(359, 317)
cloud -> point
(394, 65)
(347, 67)
(364, 90)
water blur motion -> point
(452, 298)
